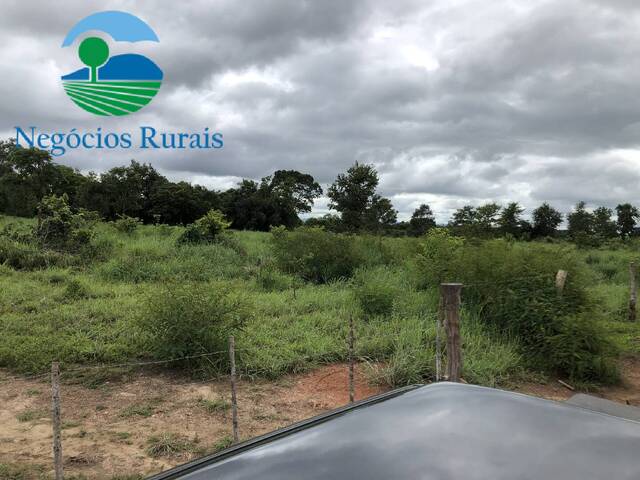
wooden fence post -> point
(352, 387)
(450, 294)
(439, 323)
(55, 420)
(234, 400)
(561, 279)
(633, 291)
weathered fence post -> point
(439, 323)
(450, 293)
(633, 291)
(234, 400)
(55, 420)
(561, 279)
(352, 387)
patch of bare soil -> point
(628, 392)
(107, 431)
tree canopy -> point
(140, 191)
(353, 195)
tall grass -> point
(115, 309)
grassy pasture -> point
(103, 310)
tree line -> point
(138, 190)
(582, 226)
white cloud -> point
(456, 102)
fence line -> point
(447, 316)
(509, 281)
(144, 363)
(25, 378)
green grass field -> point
(95, 312)
(111, 97)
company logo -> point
(111, 85)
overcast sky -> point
(456, 102)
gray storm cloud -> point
(456, 102)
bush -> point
(127, 225)
(188, 320)
(76, 290)
(205, 229)
(20, 256)
(315, 254)
(170, 445)
(511, 286)
(376, 290)
(58, 228)
(436, 257)
(270, 279)
(580, 350)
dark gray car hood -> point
(442, 431)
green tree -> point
(59, 228)
(464, 216)
(603, 225)
(627, 218)
(128, 191)
(276, 200)
(464, 221)
(26, 177)
(93, 52)
(354, 196)
(422, 220)
(580, 222)
(205, 229)
(510, 221)
(487, 217)
(546, 220)
(381, 214)
(295, 189)
(182, 203)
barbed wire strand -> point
(510, 280)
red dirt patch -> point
(330, 386)
(107, 429)
(627, 392)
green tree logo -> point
(111, 85)
(93, 52)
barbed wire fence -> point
(447, 332)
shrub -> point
(580, 350)
(20, 256)
(170, 445)
(127, 225)
(75, 290)
(229, 240)
(145, 409)
(435, 260)
(58, 228)
(511, 286)
(315, 254)
(219, 405)
(376, 290)
(270, 279)
(206, 229)
(188, 320)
